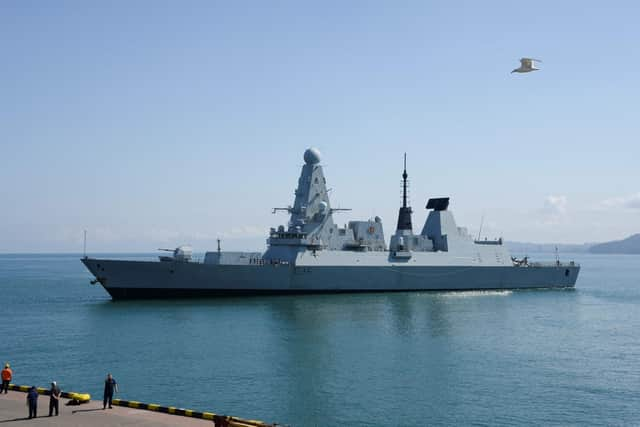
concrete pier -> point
(14, 411)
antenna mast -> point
(404, 215)
(481, 222)
(404, 183)
(84, 246)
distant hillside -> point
(630, 245)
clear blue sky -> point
(154, 123)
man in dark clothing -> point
(110, 386)
(54, 398)
(32, 401)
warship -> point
(311, 254)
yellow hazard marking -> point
(82, 397)
(238, 424)
(233, 422)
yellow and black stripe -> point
(219, 420)
(79, 397)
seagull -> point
(527, 65)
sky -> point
(159, 123)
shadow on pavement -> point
(15, 419)
(86, 410)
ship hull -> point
(146, 280)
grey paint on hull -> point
(139, 279)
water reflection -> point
(330, 347)
(305, 359)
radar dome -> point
(312, 156)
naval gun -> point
(181, 254)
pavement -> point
(14, 411)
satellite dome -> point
(312, 156)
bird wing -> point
(528, 61)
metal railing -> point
(551, 264)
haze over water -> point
(406, 359)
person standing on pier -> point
(32, 402)
(54, 398)
(110, 385)
(7, 375)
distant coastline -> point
(630, 245)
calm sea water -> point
(398, 359)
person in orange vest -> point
(7, 375)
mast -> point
(404, 215)
(404, 183)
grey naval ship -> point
(314, 255)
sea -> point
(535, 357)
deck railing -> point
(552, 264)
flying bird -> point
(527, 65)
